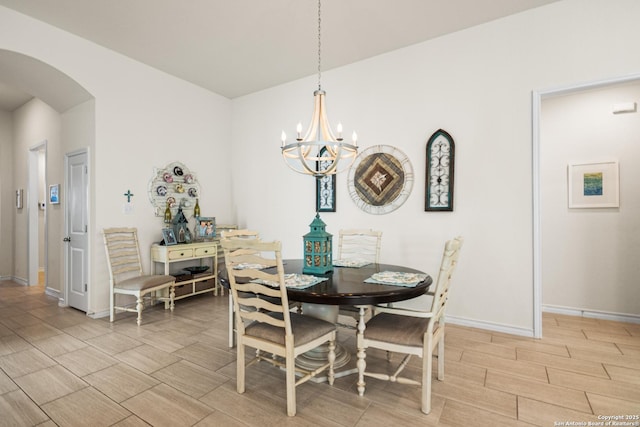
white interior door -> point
(77, 238)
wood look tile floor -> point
(59, 367)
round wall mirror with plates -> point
(173, 185)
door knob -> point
(66, 239)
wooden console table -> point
(195, 284)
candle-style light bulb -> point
(299, 130)
(354, 138)
(283, 137)
(339, 128)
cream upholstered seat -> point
(236, 234)
(358, 245)
(125, 272)
(270, 326)
(412, 332)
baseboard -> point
(595, 314)
(495, 327)
(98, 314)
(18, 280)
(52, 293)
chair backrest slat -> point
(123, 253)
(360, 244)
(443, 282)
(257, 301)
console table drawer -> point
(182, 253)
(205, 251)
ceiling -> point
(236, 47)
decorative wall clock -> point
(380, 179)
(440, 157)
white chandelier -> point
(319, 151)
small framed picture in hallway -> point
(54, 194)
(593, 185)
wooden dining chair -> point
(236, 234)
(400, 330)
(260, 299)
(358, 245)
(126, 276)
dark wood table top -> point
(346, 286)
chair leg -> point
(172, 296)
(291, 384)
(332, 359)
(240, 368)
(361, 363)
(232, 325)
(112, 301)
(139, 306)
(441, 357)
(427, 365)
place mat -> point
(297, 281)
(352, 263)
(396, 278)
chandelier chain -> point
(319, 47)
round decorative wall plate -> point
(380, 179)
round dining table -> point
(344, 286)
(347, 286)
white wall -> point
(590, 255)
(143, 119)
(7, 195)
(476, 84)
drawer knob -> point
(181, 253)
(206, 252)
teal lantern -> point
(317, 249)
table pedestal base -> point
(317, 357)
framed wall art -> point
(593, 185)
(325, 188)
(440, 171)
(54, 194)
(380, 179)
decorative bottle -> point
(196, 209)
(167, 215)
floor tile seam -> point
(558, 406)
(549, 385)
(161, 383)
(549, 365)
(485, 409)
(614, 383)
(97, 391)
(488, 368)
(61, 354)
(39, 405)
(112, 354)
(157, 382)
(595, 393)
(625, 368)
(453, 346)
(32, 401)
(141, 371)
